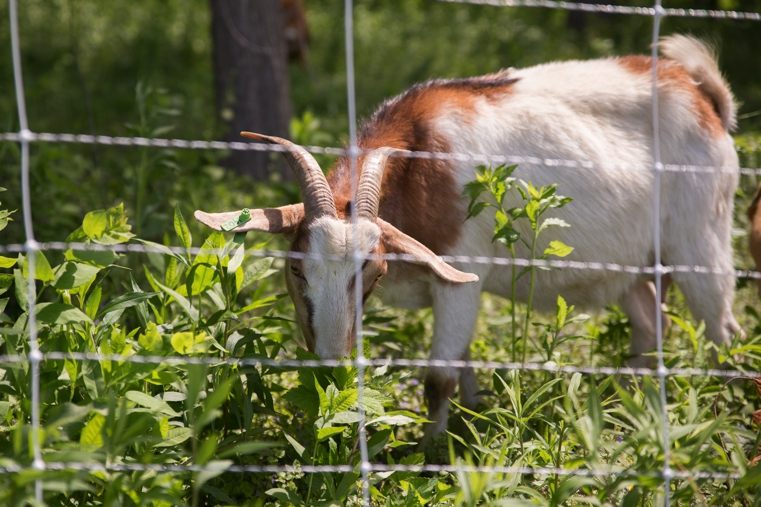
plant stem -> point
(513, 298)
(530, 299)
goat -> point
(597, 110)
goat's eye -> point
(297, 273)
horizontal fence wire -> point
(547, 366)
(155, 248)
(619, 9)
(36, 357)
(373, 468)
(478, 158)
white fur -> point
(599, 112)
(329, 271)
(596, 111)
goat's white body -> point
(598, 113)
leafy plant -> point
(531, 205)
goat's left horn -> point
(369, 188)
(318, 198)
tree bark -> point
(251, 77)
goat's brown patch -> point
(420, 196)
(675, 77)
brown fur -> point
(675, 77)
(754, 239)
(425, 202)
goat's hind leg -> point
(709, 295)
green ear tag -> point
(245, 216)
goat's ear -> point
(275, 220)
(395, 241)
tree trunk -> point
(251, 77)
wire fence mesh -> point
(25, 137)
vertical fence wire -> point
(662, 371)
(31, 247)
(358, 258)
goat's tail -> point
(699, 60)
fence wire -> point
(25, 137)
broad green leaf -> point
(42, 269)
(558, 249)
(175, 436)
(59, 314)
(475, 208)
(151, 339)
(372, 401)
(93, 302)
(392, 420)
(95, 257)
(236, 260)
(185, 342)
(126, 301)
(531, 212)
(295, 444)
(6, 281)
(181, 228)
(164, 427)
(92, 433)
(324, 403)
(7, 262)
(206, 449)
(95, 223)
(149, 402)
(260, 303)
(251, 447)
(106, 227)
(328, 432)
(345, 417)
(562, 312)
(5, 217)
(204, 271)
(70, 275)
(21, 288)
(568, 486)
(181, 300)
(344, 400)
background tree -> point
(252, 92)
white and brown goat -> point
(599, 111)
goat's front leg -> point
(455, 309)
(639, 305)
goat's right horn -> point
(318, 198)
(369, 188)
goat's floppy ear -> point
(275, 220)
(395, 241)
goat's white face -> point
(323, 285)
(323, 281)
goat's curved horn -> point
(369, 188)
(318, 198)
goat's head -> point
(330, 253)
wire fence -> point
(25, 137)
